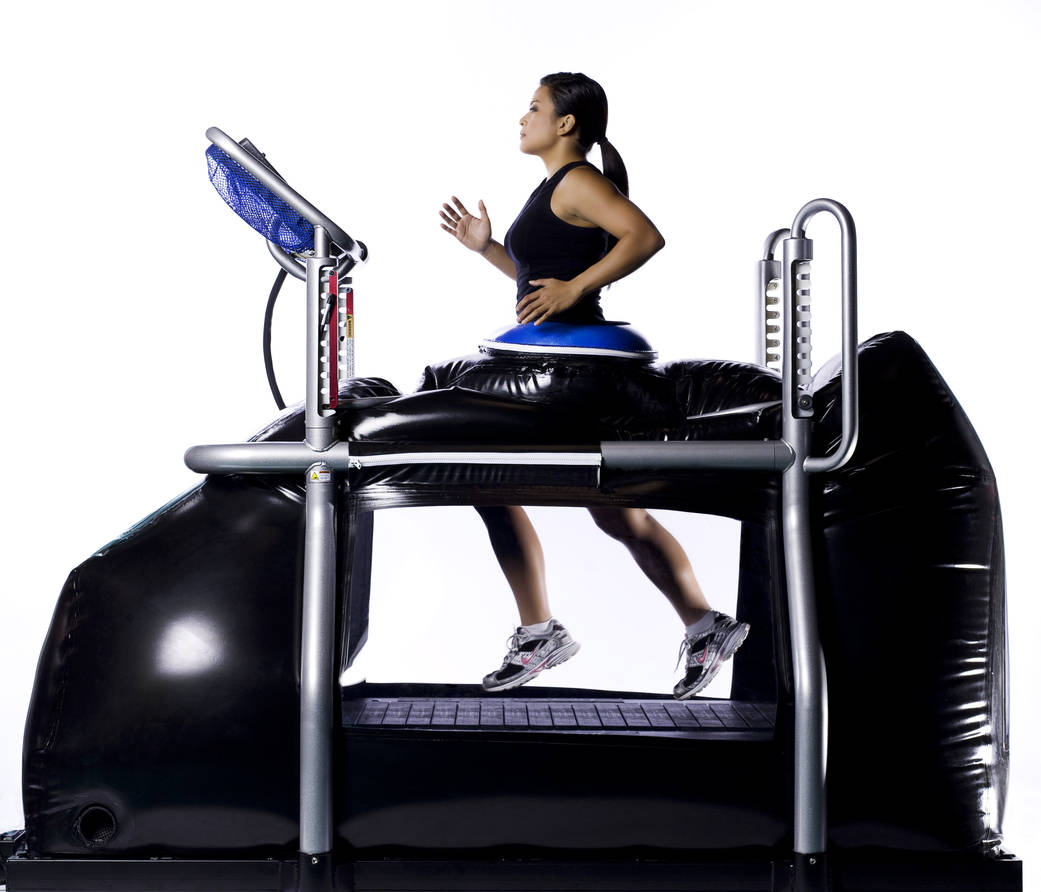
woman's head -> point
(582, 98)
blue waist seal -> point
(608, 339)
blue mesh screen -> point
(256, 204)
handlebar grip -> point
(850, 358)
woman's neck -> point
(558, 157)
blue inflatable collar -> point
(608, 339)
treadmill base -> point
(851, 872)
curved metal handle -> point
(355, 250)
(297, 268)
(773, 241)
(289, 262)
(850, 361)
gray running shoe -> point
(529, 654)
(706, 652)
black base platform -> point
(408, 743)
(540, 771)
(849, 872)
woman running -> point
(577, 233)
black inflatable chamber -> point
(163, 718)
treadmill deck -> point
(568, 715)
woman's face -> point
(539, 125)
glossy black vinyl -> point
(166, 694)
(617, 392)
(911, 587)
(166, 689)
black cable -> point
(268, 315)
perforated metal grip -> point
(328, 354)
(318, 416)
(798, 333)
(769, 308)
(768, 315)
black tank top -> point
(542, 246)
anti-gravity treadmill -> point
(187, 731)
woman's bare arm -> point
(587, 197)
(496, 255)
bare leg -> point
(517, 547)
(659, 555)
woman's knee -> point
(501, 517)
(623, 524)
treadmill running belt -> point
(687, 718)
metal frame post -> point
(807, 657)
(317, 674)
(811, 684)
(317, 670)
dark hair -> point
(583, 97)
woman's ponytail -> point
(583, 97)
(614, 167)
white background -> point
(133, 298)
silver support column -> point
(316, 664)
(807, 656)
(811, 684)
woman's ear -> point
(565, 125)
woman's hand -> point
(554, 296)
(474, 232)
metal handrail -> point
(850, 361)
(288, 262)
(773, 241)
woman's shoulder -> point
(579, 193)
(580, 169)
(584, 179)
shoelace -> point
(512, 648)
(684, 646)
(688, 645)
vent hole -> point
(96, 825)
